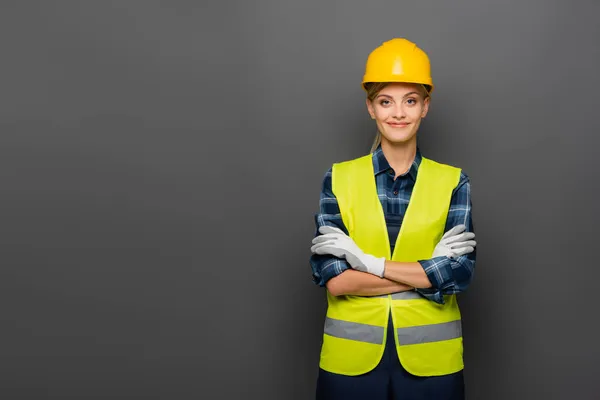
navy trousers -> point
(389, 381)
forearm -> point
(407, 273)
(357, 283)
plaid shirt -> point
(447, 276)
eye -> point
(385, 102)
(411, 101)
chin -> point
(398, 138)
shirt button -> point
(395, 193)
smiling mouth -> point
(399, 124)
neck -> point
(400, 156)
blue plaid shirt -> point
(447, 276)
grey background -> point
(161, 162)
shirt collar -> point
(381, 164)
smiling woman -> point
(394, 246)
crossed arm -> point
(449, 267)
(352, 282)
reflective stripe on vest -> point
(354, 331)
(428, 335)
(406, 336)
(408, 295)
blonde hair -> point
(373, 89)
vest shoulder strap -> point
(346, 170)
(438, 173)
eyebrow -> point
(387, 95)
(408, 94)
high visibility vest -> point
(428, 335)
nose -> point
(399, 111)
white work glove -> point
(455, 243)
(335, 242)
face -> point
(398, 109)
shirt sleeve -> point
(324, 267)
(452, 276)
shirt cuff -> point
(326, 267)
(434, 295)
(439, 273)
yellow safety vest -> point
(428, 335)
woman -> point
(394, 247)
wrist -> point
(377, 265)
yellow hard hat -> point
(398, 60)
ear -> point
(370, 108)
(425, 106)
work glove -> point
(335, 242)
(455, 243)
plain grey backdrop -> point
(161, 162)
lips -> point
(398, 124)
